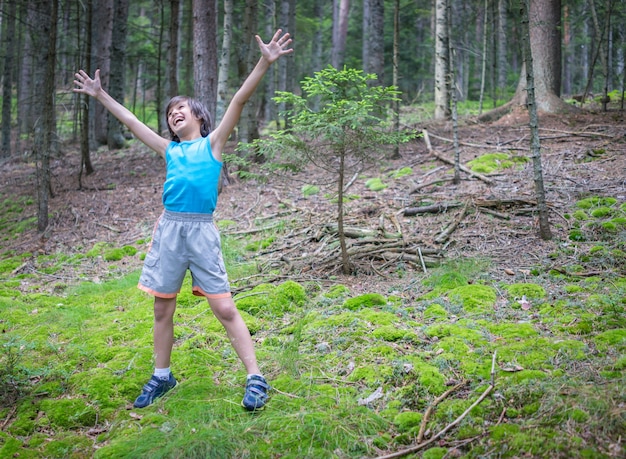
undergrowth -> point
(353, 375)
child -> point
(185, 236)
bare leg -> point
(237, 331)
(163, 330)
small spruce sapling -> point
(337, 126)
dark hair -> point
(198, 109)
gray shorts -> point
(181, 242)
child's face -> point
(182, 121)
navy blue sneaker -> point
(256, 393)
(153, 389)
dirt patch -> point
(581, 155)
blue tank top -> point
(192, 177)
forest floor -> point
(582, 155)
(401, 355)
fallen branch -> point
(431, 182)
(431, 408)
(445, 234)
(432, 209)
(449, 161)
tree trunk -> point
(341, 9)
(442, 64)
(102, 38)
(396, 73)
(7, 80)
(172, 49)
(44, 39)
(373, 45)
(545, 44)
(248, 126)
(535, 143)
(224, 64)
(85, 156)
(25, 109)
(205, 52)
(501, 41)
(287, 66)
(345, 258)
(115, 138)
(268, 106)
(545, 41)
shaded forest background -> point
(149, 51)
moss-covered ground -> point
(353, 374)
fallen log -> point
(432, 209)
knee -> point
(225, 311)
(164, 309)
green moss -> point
(447, 280)
(580, 215)
(513, 330)
(577, 235)
(310, 190)
(97, 249)
(435, 453)
(113, 254)
(502, 432)
(573, 288)
(337, 291)
(226, 224)
(493, 162)
(601, 212)
(368, 300)
(475, 298)
(611, 338)
(530, 291)
(403, 172)
(619, 221)
(375, 184)
(462, 329)
(377, 318)
(407, 420)
(69, 413)
(267, 299)
(435, 311)
(596, 201)
(255, 246)
(391, 333)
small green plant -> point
(337, 124)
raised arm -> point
(270, 52)
(92, 87)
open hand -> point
(277, 47)
(87, 85)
